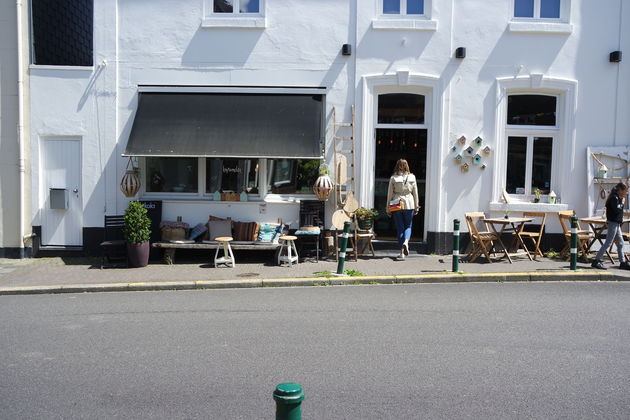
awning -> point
(227, 125)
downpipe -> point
(20, 131)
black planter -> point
(365, 224)
(138, 254)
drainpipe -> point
(20, 128)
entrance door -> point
(400, 133)
(62, 212)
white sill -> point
(405, 24)
(541, 27)
(235, 22)
(72, 68)
(525, 206)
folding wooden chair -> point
(113, 246)
(534, 231)
(481, 242)
(585, 237)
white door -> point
(61, 170)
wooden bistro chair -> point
(534, 236)
(481, 241)
(585, 237)
(113, 246)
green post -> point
(574, 242)
(289, 397)
(343, 247)
(455, 245)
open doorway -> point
(400, 133)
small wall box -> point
(59, 198)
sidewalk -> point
(76, 274)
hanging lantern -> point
(323, 185)
(130, 183)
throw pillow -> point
(219, 228)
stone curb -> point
(446, 277)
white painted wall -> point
(163, 42)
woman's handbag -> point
(394, 205)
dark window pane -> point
(550, 9)
(415, 7)
(531, 110)
(541, 171)
(523, 8)
(249, 6)
(62, 32)
(291, 176)
(232, 175)
(391, 7)
(517, 150)
(400, 108)
(171, 174)
(223, 6)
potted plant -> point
(365, 217)
(137, 231)
(536, 195)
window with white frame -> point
(531, 131)
(236, 6)
(538, 9)
(403, 7)
(234, 14)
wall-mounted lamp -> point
(460, 52)
(615, 57)
(346, 49)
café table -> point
(513, 225)
(598, 226)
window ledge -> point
(405, 24)
(541, 27)
(234, 22)
(525, 206)
(51, 67)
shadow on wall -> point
(220, 46)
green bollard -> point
(455, 245)
(289, 397)
(343, 246)
(574, 242)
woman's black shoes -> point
(598, 264)
(624, 265)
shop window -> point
(400, 108)
(236, 6)
(403, 7)
(232, 175)
(537, 9)
(291, 176)
(531, 110)
(529, 160)
(62, 32)
(175, 175)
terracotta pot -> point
(138, 255)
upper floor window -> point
(403, 7)
(236, 6)
(62, 32)
(537, 9)
(531, 110)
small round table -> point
(287, 245)
(228, 257)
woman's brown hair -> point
(619, 187)
(402, 167)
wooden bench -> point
(170, 247)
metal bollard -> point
(343, 246)
(574, 242)
(455, 245)
(289, 397)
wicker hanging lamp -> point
(323, 185)
(130, 182)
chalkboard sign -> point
(154, 211)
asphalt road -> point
(447, 351)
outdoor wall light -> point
(346, 49)
(460, 52)
(615, 57)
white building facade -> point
(487, 100)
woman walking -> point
(614, 218)
(403, 190)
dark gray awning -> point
(227, 125)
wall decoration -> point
(470, 151)
(478, 141)
(486, 150)
(459, 158)
(462, 140)
(476, 159)
(464, 167)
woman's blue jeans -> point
(403, 219)
(613, 233)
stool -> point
(288, 245)
(228, 257)
(365, 237)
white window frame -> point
(536, 24)
(529, 158)
(236, 19)
(403, 21)
(563, 132)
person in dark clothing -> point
(614, 218)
